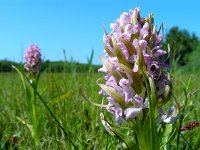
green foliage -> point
(181, 44)
(193, 60)
(6, 65)
(56, 66)
(78, 116)
(187, 96)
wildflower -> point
(170, 116)
(133, 53)
(32, 59)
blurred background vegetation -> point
(182, 45)
(49, 66)
(184, 49)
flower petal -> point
(132, 112)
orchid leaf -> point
(127, 140)
(93, 103)
(114, 94)
(152, 41)
(141, 62)
(109, 66)
(161, 130)
(166, 134)
(109, 39)
(154, 96)
(131, 49)
(137, 85)
(111, 54)
(106, 33)
(146, 130)
(150, 20)
(114, 131)
(134, 36)
(119, 55)
(108, 50)
(153, 102)
(134, 19)
(169, 134)
(106, 125)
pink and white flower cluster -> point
(133, 51)
(32, 58)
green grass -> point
(79, 118)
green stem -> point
(151, 94)
(33, 114)
(140, 136)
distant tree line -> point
(6, 65)
(48, 66)
(182, 45)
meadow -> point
(78, 117)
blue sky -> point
(77, 25)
